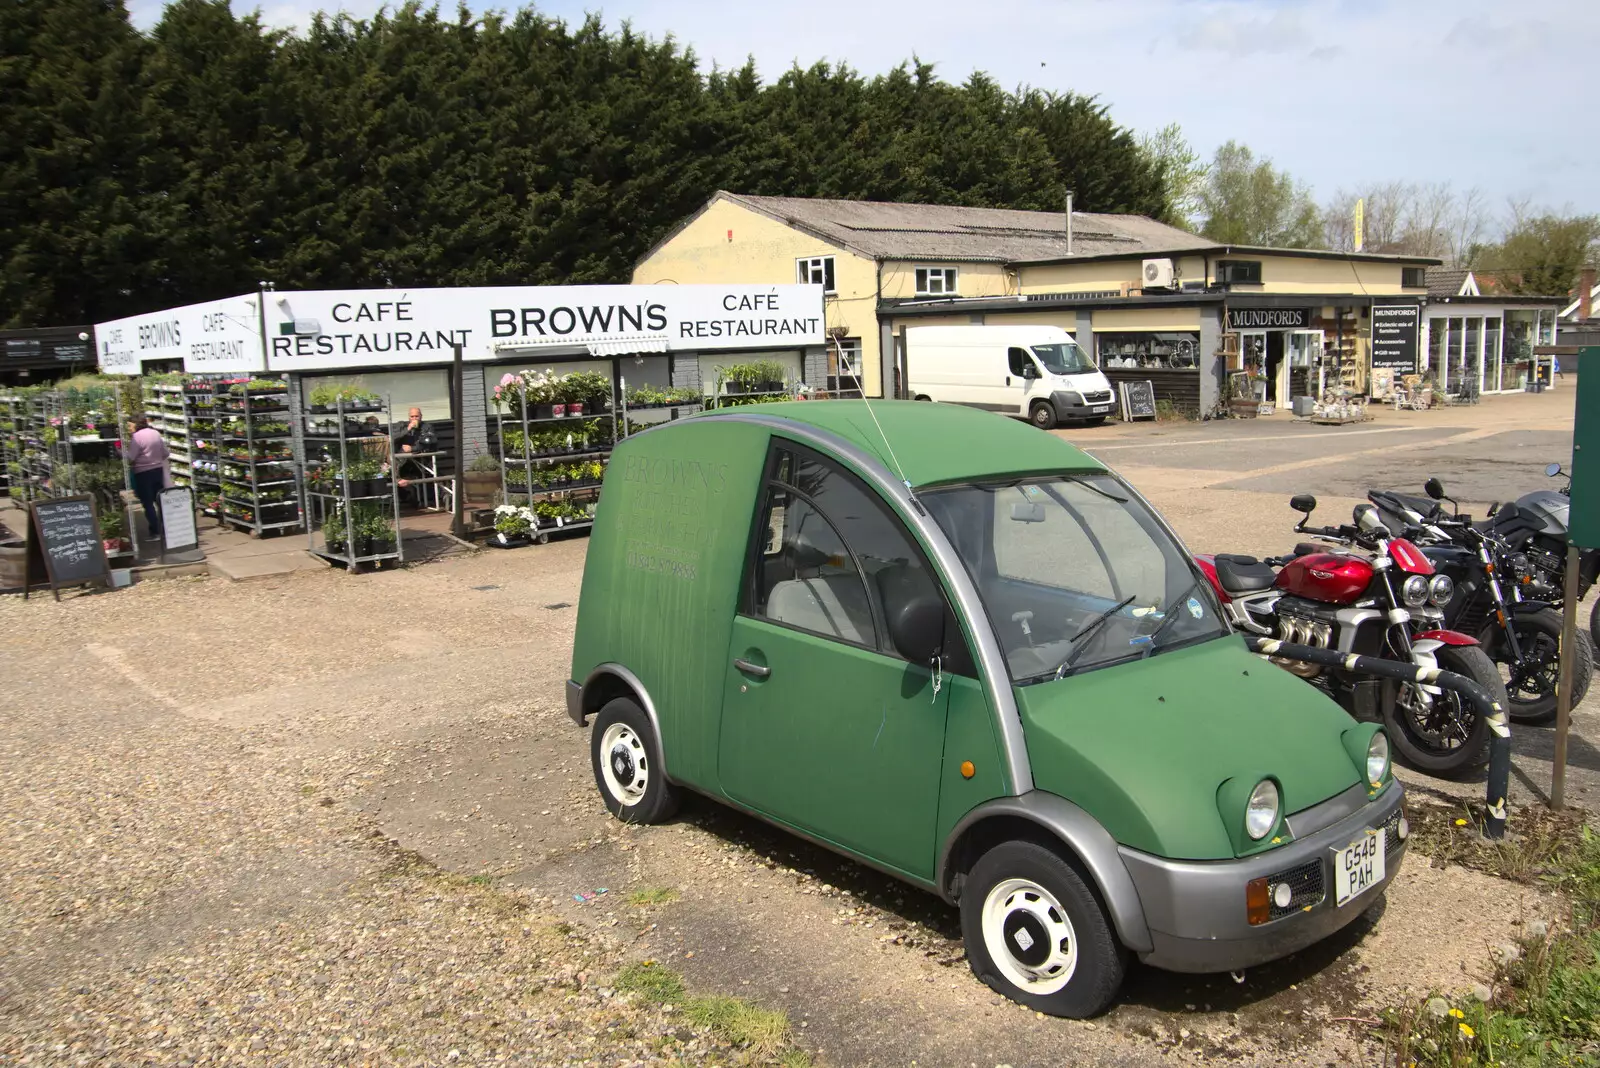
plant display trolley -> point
(352, 503)
(19, 451)
(762, 382)
(555, 443)
(242, 462)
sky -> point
(1340, 93)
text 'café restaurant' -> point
(1146, 300)
(400, 344)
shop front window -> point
(1166, 351)
(1437, 329)
(1472, 359)
(844, 366)
(1453, 355)
(1491, 354)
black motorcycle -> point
(1521, 634)
(1542, 552)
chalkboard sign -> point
(1138, 400)
(64, 546)
(177, 520)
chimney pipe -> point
(1069, 222)
(1586, 294)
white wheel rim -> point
(1029, 937)
(625, 764)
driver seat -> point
(1243, 574)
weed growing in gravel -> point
(1543, 1006)
(762, 1032)
(652, 895)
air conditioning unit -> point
(1158, 274)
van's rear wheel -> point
(1042, 415)
(1036, 933)
(626, 755)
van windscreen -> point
(1067, 359)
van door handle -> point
(1008, 380)
(751, 669)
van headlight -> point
(1441, 589)
(1261, 811)
(1415, 591)
(1377, 758)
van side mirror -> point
(1303, 502)
(1434, 488)
(1029, 371)
(914, 612)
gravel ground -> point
(185, 882)
(221, 807)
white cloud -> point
(1340, 92)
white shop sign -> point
(214, 337)
(355, 328)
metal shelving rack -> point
(634, 419)
(201, 416)
(14, 410)
(581, 451)
(334, 500)
(164, 406)
(258, 488)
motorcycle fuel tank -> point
(1333, 578)
(1552, 507)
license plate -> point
(1358, 867)
(1098, 408)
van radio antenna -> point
(862, 389)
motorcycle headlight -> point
(1377, 758)
(1441, 589)
(1261, 812)
(1415, 591)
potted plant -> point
(512, 525)
(481, 477)
(382, 535)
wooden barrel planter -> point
(13, 564)
(481, 485)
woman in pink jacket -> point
(147, 456)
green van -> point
(965, 653)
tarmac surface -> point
(190, 759)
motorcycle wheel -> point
(1447, 737)
(1532, 689)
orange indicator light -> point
(967, 770)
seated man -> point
(412, 436)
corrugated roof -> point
(883, 230)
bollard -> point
(1494, 824)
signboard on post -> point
(63, 545)
(178, 530)
(1394, 336)
(1583, 532)
(1138, 400)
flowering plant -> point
(534, 387)
(513, 521)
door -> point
(1253, 353)
(1022, 374)
(824, 726)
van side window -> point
(888, 566)
(1021, 363)
(804, 576)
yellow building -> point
(1149, 301)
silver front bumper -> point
(1196, 909)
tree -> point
(1408, 219)
(1247, 201)
(1541, 255)
(1181, 170)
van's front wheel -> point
(1042, 415)
(626, 755)
(1036, 933)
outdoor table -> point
(432, 484)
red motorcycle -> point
(1382, 601)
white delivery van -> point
(1036, 373)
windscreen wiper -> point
(1090, 486)
(1172, 614)
(1079, 642)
